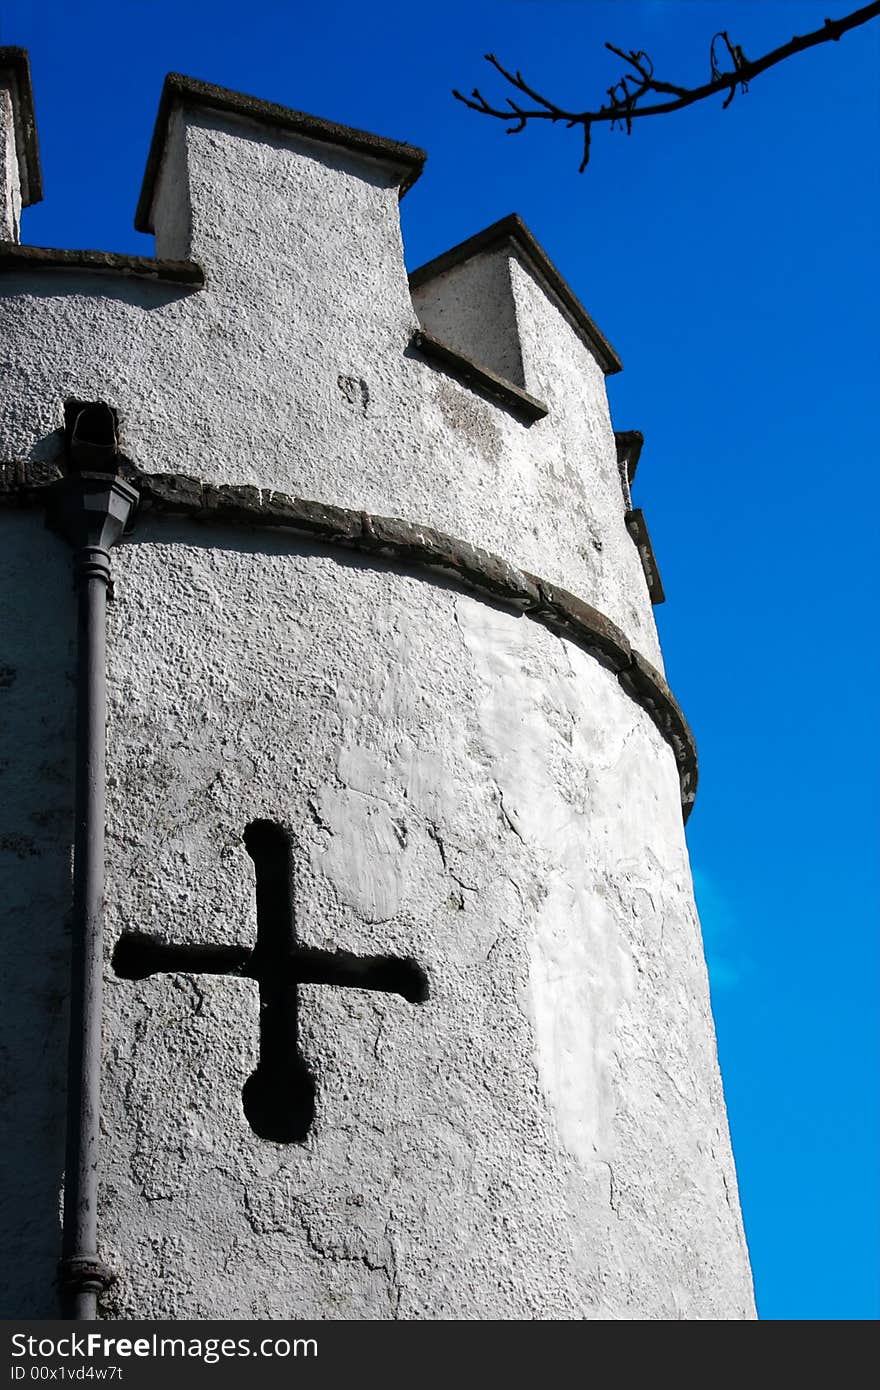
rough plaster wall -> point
(10, 181)
(37, 652)
(324, 218)
(561, 370)
(545, 1137)
(471, 308)
(292, 370)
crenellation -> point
(470, 306)
(256, 192)
(20, 176)
(170, 209)
(187, 93)
(484, 267)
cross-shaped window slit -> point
(279, 1096)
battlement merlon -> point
(476, 298)
(21, 182)
(232, 180)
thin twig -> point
(625, 95)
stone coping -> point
(513, 230)
(479, 378)
(638, 529)
(16, 61)
(26, 484)
(27, 258)
(178, 90)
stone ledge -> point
(569, 616)
(27, 484)
(24, 484)
(478, 378)
(28, 258)
(638, 529)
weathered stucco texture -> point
(292, 369)
(37, 653)
(545, 1136)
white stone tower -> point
(382, 671)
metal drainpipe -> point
(89, 508)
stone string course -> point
(477, 378)
(26, 484)
(16, 259)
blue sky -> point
(731, 258)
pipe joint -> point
(92, 562)
(85, 1274)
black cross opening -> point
(279, 1096)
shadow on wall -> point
(37, 719)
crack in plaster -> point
(505, 814)
(337, 1256)
(652, 1061)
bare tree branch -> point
(622, 106)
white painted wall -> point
(546, 1136)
